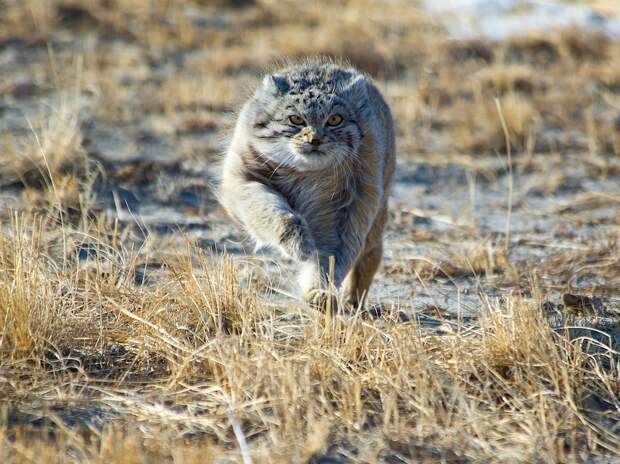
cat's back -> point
(383, 131)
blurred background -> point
(123, 106)
(156, 80)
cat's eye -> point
(297, 120)
(334, 120)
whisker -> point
(289, 157)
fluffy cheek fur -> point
(293, 152)
(284, 151)
(343, 144)
(303, 159)
(275, 150)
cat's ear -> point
(357, 89)
(277, 83)
(358, 85)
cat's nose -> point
(311, 137)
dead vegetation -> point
(193, 356)
(124, 340)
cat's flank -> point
(308, 171)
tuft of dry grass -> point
(52, 148)
(26, 297)
(453, 261)
(480, 128)
(507, 78)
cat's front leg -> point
(269, 218)
(318, 282)
(296, 239)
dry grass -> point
(52, 147)
(479, 259)
(199, 354)
(122, 344)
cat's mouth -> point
(311, 150)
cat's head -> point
(309, 117)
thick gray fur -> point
(314, 190)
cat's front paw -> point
(321, 300)
(296, 239)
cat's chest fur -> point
(321, 197)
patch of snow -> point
(497, 19)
